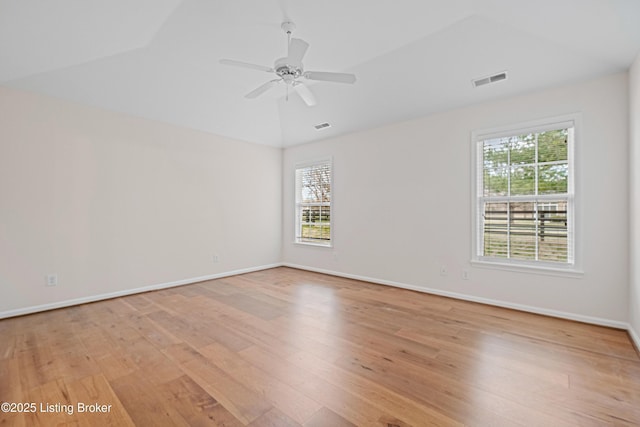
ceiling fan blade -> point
(330, 77)
(306, 95)
(297, 49)
(246, 65)
(262, 89)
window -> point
(313, 203)
(524, 196)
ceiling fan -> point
(289, 70)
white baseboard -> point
(553, 313)
(99, 297)
(537, 310)
(635, 337)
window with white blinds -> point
(313, 203)
(525, 196)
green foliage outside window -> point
(526, 166)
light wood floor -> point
(283, 347)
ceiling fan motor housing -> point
(287, 69)
(288, 27)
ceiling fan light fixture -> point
(288, 27)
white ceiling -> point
(158, 59)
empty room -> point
(338, 213)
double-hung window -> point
(524, 196)
(313, 203)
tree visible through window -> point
(525, 196)
(313, 203)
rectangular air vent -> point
(322, 126)
(489, 79)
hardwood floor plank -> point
(140, 303)
(156, 335)
(274, 418)
(53, 392)
(254, 330)
(195, 405)
(97, 390)
(379, 396)
(342, 401)
(427, 387)
(250, 305)
(279, 394)
(454, 343)
(556, 356)
(245, 404)
(325, 417)
(10, 386)
(113, 367)
(180, 327)
(144, 402)
(565, 332)
(284, 347)
(218, 287)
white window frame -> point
(573, 268)
(299, 205)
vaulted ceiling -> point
(159, 59)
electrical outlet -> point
(52, 280)
(465, 274)
(443, 270)
(216, 258)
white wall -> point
(402, 204)
(111, 202)
(634, 115)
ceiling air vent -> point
(490, 79)
(322, 126)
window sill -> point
(317, 245)
(571, 272)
